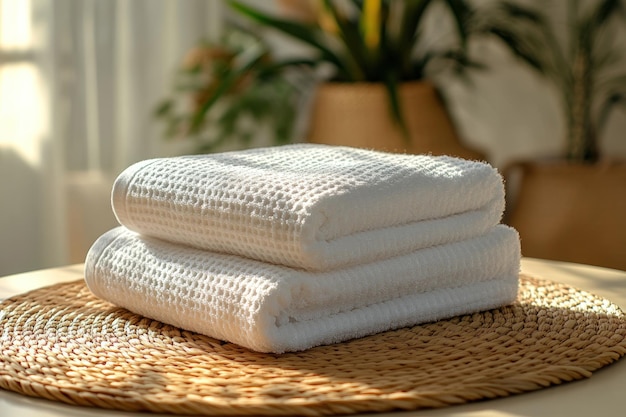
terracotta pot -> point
(571, 212)
(358, 114)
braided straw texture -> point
(63, 344)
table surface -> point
(600, 395)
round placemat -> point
(63, 344)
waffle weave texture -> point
(309, 206)
(274, 308)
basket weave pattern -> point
(357, 114)
(63, 344)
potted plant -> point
(377, 88)
(225, 90)
(573, 208)
(381, 93)
(377, 92)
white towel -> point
(273, 308)
(315, 207)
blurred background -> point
(81, 80)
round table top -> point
(602, 394)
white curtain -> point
(79, 80)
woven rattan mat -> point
(63, 344)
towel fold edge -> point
(412, 310)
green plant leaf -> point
(305, 33)
(461, 13)
(164, 108)
(370, 22)
(276, 68)
(355, 48)
(611, 84)
(589, 28)
(391, 85)
(412, 16)
(529, 36)
(519, 13)
(518, 48)
(605, 10)
(246, 61)
(614, 92)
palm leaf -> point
(461, 13)
(412, 16)
(605, 10)
(529, 36)
(391, 84)
(518, 47)
(606, 86)
(589, 27)
(614, 99)
(354, 45)
(522, 14)
(308, 34)
(371, 22)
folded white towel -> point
(273, 308)
(310, 206)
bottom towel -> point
(273, 308)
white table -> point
(604, 394)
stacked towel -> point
(309, 206)
(285, 248)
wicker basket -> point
(358, 114)
(570, 212)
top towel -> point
(308, 206)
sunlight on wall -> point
(15, 24)
(21, 110)
(21, 88)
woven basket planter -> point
(570, 212)
(358, 114)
